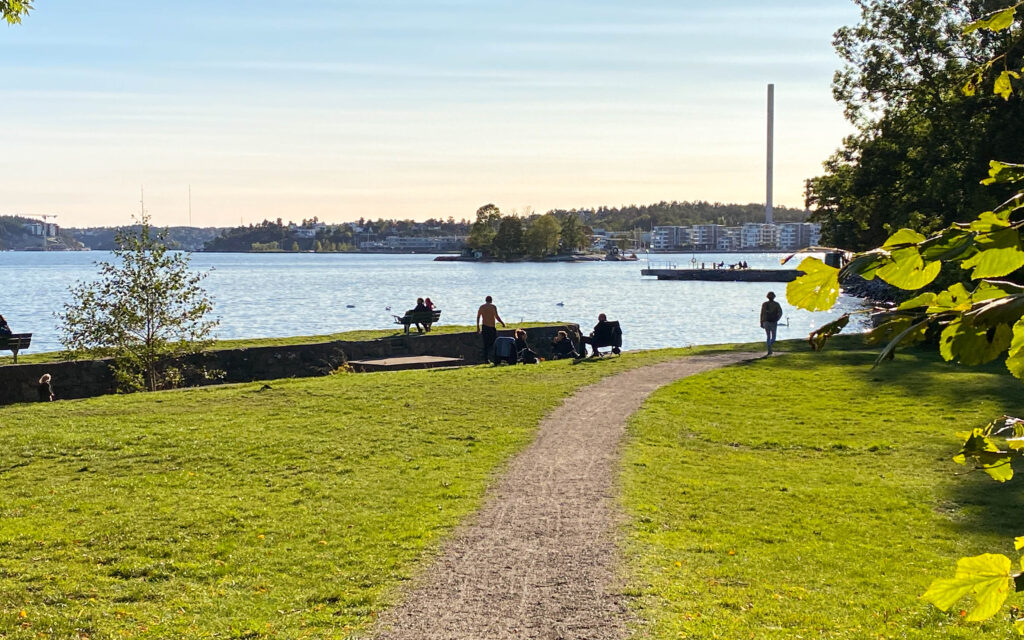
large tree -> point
(543, 235)
(482, 233)
(922, 146)
(147, 310)
(508, 242)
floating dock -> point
(725, 275)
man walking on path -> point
(487, 314)
(771, 313)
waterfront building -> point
(729, 239)
(668, 238)
(431, 243)
(755, 235)
(705, 236)
(799, 235)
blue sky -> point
(396, 108)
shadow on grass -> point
(987, 506)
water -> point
(272, 295)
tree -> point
(482, 233)
(921, 144)
(508, 242)
(979, 321)
(572, 235)
(146, 309)
(13, 10)
(543, 235)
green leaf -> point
(886, 331)
(818, 337)
(866, 264)
(986, 456)
(902, 238)
(999, 254)
(817, 289)
(1015, 357)
(955, 298)
(918, 301)
(991, 312)
(1018, 543)
(990, 221)
(995, 21)
(908, 270)
(970, 345)
(1018, 626)
(910, 333)
(1003, 172)
(947, 245)
(987, 577)
(1003, 86)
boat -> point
(615, 255)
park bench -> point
(425, 318)
(15, 343)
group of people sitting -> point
(517, 349)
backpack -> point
(774, 314)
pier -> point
(725, 275)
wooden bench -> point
(426, 318)
(15, 343)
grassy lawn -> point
(809, 496)
(235, 512)
(246, 343)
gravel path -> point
(539, 560)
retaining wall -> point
(89, 378)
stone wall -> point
(89, 378)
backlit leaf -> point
(866, 264)
(987, 577)
(817, 289)
(1015, 356)
(818, 337)
(969, 344)
(995, 21)
(955, 298)
(947, 245)
(902, 238)
(988, 457)
(1003, 172)
(999, 254)
(1003, 86)
(908, 270)
(918, 301)
(1018, 543)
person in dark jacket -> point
(601, 336)
(419, 308)
(562, 346)
(5, 329)
(525, 353)
(45, 389)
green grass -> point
(246, 343)
(295, 511)
(809, 496)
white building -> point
(668, 238)
(754, 235)
(799, 235)
(729, 239)
(705, 236)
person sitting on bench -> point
(5, 329)
(605, 334)
(420, 307)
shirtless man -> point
(487, 314)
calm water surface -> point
(271, 295)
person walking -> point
(771, 313)
(486, 316)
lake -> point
(288, 294)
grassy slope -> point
(810, 496)
(289, 512)
(246, 343)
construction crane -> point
(45, 217)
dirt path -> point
(539, 560)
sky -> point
(408, 108)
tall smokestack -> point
(769, 217)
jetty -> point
(725, 275)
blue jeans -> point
(769, 332)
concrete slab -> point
(399, 363)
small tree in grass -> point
(146, 310)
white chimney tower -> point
(769, 217)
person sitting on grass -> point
(525, 354)
(562, 346)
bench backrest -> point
(422, 316)
(16, 342)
